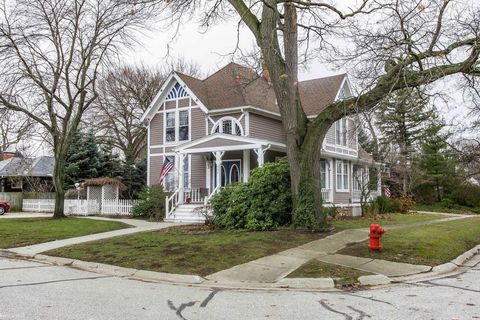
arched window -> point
(228, 125)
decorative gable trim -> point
(172, 88)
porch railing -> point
(194, 195)
(171, 203)
(357, 194)
(327, 195)
(214, 191)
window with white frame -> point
(183, 126)
(171, 177)
(325, 174)
(360, 178)
(180, 131)
(170, 127)
(228, 125)
(341, 132)
(342, 175)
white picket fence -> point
(120, 207)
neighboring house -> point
(18, 174)
(218, 129)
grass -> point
(187, 249)
(317, 269)
(428, 245)
(438, 207)
(383, 219)
(26, 231)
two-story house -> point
(217, 130)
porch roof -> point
(226, 142)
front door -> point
(231, 172)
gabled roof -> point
(237, 86)
(31, 167)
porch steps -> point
(185, 213)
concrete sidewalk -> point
(138, 226)
(275, 267)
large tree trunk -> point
(58, 180)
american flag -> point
(167, 166)
(386, 191)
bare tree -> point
(400, 44)
(51, 55)
(15, 129)
(124, 95)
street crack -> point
(326, 306)
(179, 310)
(210, 297)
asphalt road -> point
(31, 290)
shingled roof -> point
(30, 167)
(235, 86)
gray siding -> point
(262, 127)
(155, 168)
(156, 129)
(197, 124)
(198, 171)
(330, 136)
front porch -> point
(226, 159)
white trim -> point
(156, 146)
(226, 118)
(242, 108)
(343, 162)
(148, 155)
(247, 123)
(156, 154)
(163, 92)
(249, 141)
(223, 148)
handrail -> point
(170, 208)
(209, 197)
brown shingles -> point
(235, 85)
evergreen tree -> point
(435, 165)
(402, 119)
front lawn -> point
(316, 269)
(26, 231)
(384, 219)
(429, 245)
(188, 249)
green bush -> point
(263, 203)
(384, 204)
(151, 203)
(447, 203)
(467, 195)
(331, 212)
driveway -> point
(31, 290)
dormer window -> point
(228, 125)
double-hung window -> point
(177, 126)
(184, 125)
(341, 132)
(170, 127)
(170, 183)
(324, 174)
(342, 175)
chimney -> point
(265, 72)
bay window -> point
(342, 175)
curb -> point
(305, 283)
(120, 271)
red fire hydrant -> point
(375, 233)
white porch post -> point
(246, 165)
(218, 162)
(260, 156)
(379, 181)
(181, 187)
(208, 173)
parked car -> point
(4, 206)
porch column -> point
(246, 165)
(379, 181)
(208, 172)
(260, 156)
(218, 162)
(181, 192)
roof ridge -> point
(326, 77)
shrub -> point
(263, 203)
(385, 204)
(447, 203)
(151, 203)
(331, 212)
(467, 195)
